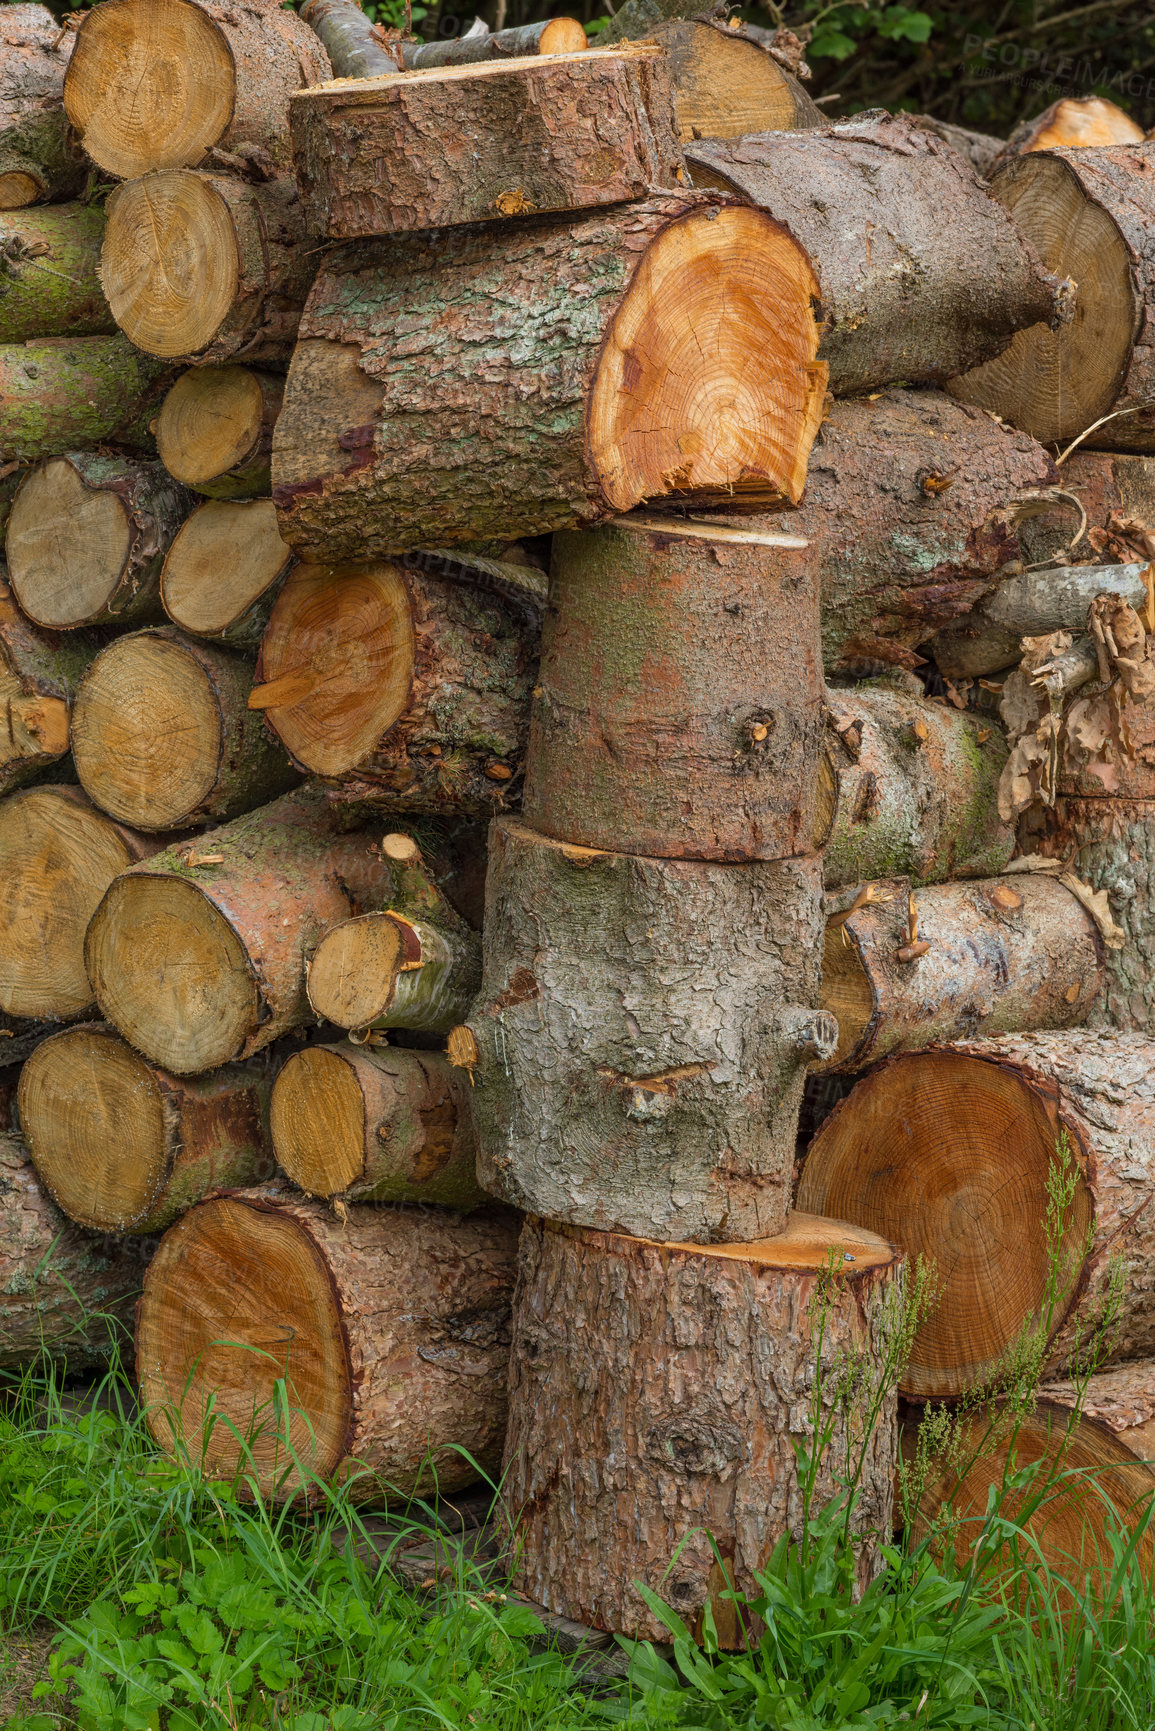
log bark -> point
(640, 1039)
(160, 84)
(482, 143)
(922, 275)
(910, 513)
(679, 708)
(214, 432)
(230, 921)
(122, 1146)
(725, 83)
(50, 273)
(224, 571)
(1120, 1401)
(39, 158)
(87, 536)
(207, 267)
(40, 672)
(376, 1125)
(1089, 216)
(67, 393)
(58, 855)
(1002, 955)
(545, 36)
(163, 738)
(977, 148)
(912, 792)
(1074, 122)
(647, 1417)
(64, 1293)
(1031, 604)
(639, 325)
(389, 1326)
(410, 691)
(954, 1147)
(1117, 491)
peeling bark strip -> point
(643, 1029)
(657, 1394)
(156, 84)
(409, 691)
(679, 707)
(1005, 955)
(921, 274)
(39, 675)
(58, 855)
(390, 1327)
(50, 272)
(63, 1292)
(39, 159)
(479, 143)
(231, 919)
(376, 1125)
(207, 268)
(500, 381)
(64, 393)
(951, 1149)
(1089, 215)
(122, 1146)
(87, 536)
(912, 791)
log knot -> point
(695, 1443)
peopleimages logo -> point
(1041, 69)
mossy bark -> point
(39, 156)
(68, 393)
(50, 273)
(40, 673)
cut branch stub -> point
(679, 706)
(501, 139)
(63, 393)
(653, 1360)
(921, 274)
(230, 920)
(389, 1327)
(39, 675)
(50, 274)
(643, 1029)
(39, 158)
(1004, 955)
(376, 1126)
(163, 738)
(215, 430)
(155, 84)
(673, 343)
(58, 855)
(224, 569)
(1089, 215)
(124, 1147)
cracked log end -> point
(68, 545)
(170, 264)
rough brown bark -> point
(642, 1033)
(231, 920)
(922, 275)
(225, 569)
(58, 855)
(65, 393)
(376, 1125)
(87, 536)
(410, 691)
(952, 1149)
(1121, 1400)
(159, 84)
(648, 1419)
(1031, 604)
(1117, 491)
(1089, 215)
(390, 1327)
(63, 1292)
(725, 83)
(40, 672)
(913, 790)
(1075, 122)
(977, 148)
(1002, 955)
(122, 1146)
(207, 267)
(39, 158)
(50, 272)
(406, 420)
(679, 708)
(480, 143)
(215, 430)
(163, 738)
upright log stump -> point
(389, 1327)
(679, 707)
(657, 1392)
(641, 1036)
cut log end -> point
(170, 266)
(18, 190)
(737, 428)
(353, 975)
(562, 36)
(318, 1119)
(151, 85)
(210, 422)
(918, 1153)
(846, 992)
(67, 545)
(225, 557)
(186, 997)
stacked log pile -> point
(594, 444)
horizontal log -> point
(215, 430)
(39, 158)
(1120, 1401)
(1074, 122)
(40, 672)
(225, 569)
(501, 139)
(544, 36)
(50, 273)
(725, 83)
(67, 393)
(376, 451)
(390, 1326)
(1031, 604)
(977, 148)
